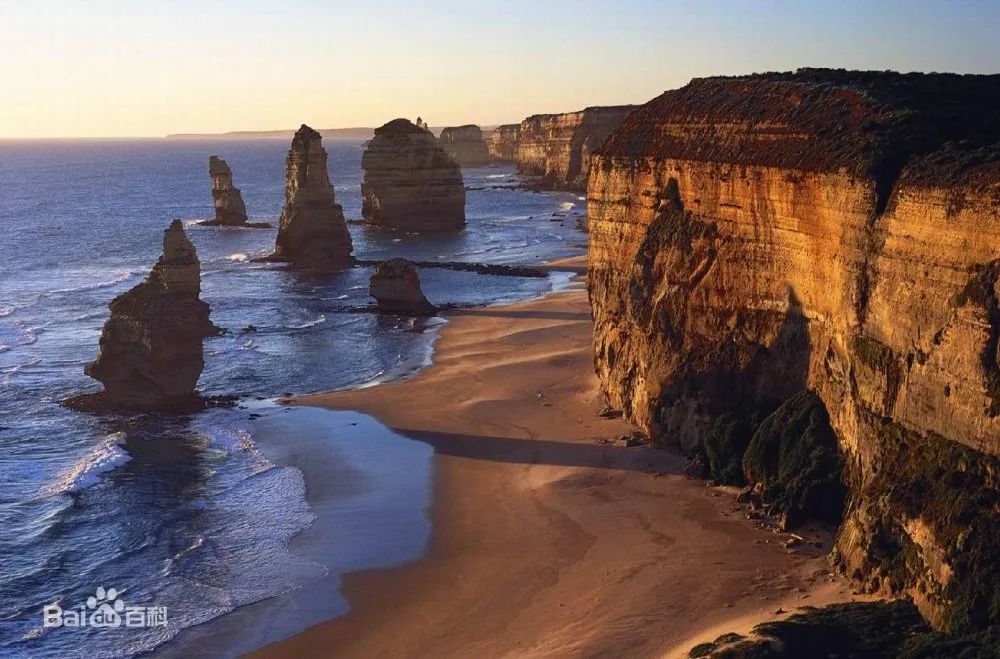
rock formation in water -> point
(556, 148)
(777, 257)
(312, 234)
(465, 145)
(410, 183)
(395, 285)
(502, 144)
(151, 346)
(229, 208)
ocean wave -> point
(239, 257)
(6, 311)
(308, 324)
(95, 286)
(87, 471)
(566, 206)
(497, 175)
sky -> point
(131, 68)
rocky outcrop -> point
(230, 210)
(835, 232)
(502, 144)
(395, 285)
(312, 234)
(151, 346)
(556, 148)
(410, 183)
(465, 145)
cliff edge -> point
(776, 255)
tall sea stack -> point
(230, 210)
(312, 234)
(151, 346)
(466, 146)
(410, 182)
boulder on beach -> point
(410, 183)
(151, 347)
(395, 285)
(312, 233)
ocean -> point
(188, 513)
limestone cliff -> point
(312, 233)
(556, 148)
(410, 183)
(151, 346)
(836, 232)
(502, 144)
(465, 145)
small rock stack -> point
(230, 210)
(395, 285)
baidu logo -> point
(104, 609)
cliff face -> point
(151, 346)
(465, 145)
(410, 182)
(502, 144)
(557, 147)
(229, 207)
(312, 233)
(753, 238)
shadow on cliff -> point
(518, 450)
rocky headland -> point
(230, 211)
(795, 277)
(151, 346)
(465, 145)
(502, 144)
(410, 183)
(395, 285)
(555, 148)
(312, 234)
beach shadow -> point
(546, 315)
(517, 450)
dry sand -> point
(547, 540)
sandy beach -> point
(549, 536)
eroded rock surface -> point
(502, 144)
(312, 234)
(410, 183)
(465, 145)
(151, 346)
(556, 148)
(395, 285)
(226, 198)
(756, 237)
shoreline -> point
(546, 537)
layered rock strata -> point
(502, 144)
(230, 211)
(556, 148)
(151, 346)
(395, 285)
(312, 234)
(836, 232)
(465, 145)
(410, 183)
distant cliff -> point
(502, 143)
(779, 256)
(465, 144)
(556, 148)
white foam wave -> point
(96, 285)
(87, 471)
(239, 257)
(311, 323)
(566, 206)
(496, 176)
(6, 311)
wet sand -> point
(549, 537)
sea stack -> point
(312, 234)
(410, 183)
(151, 346)
(230, 210)
(395, 285)
(466, 146)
